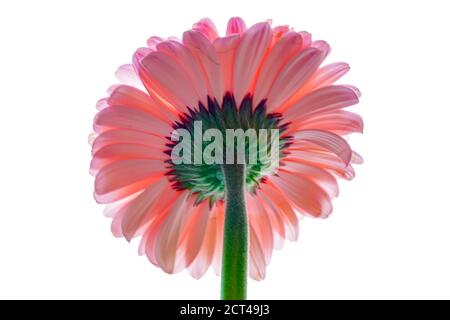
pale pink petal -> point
(325, 99)
(261, 224)
(217, 258)
(293, 76)
(208, 60)
(140, 211)
(257, 261)
(357, 158)
(207, 28)
(322, 160)
(128, 136)
(321, 177)
(249, 55)
(166, 243)
(283, 207)
(324, 76)
(340, 122)
(282, 52)
(276, 220)
(129, 118)
(236, 26)
(309, 197)
(205, 256)
(127, 75)
(122, 151)
(152, 42)
(132, 97)
(195, 230)
(328, 140)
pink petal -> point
(293, 76)
(125, 177)
(167, 78)
(226, 49)
(129, 118)
(325, 99)
(188, 62)
(328, 140)
(127, 75)
(195, 231)
(284, 209)
(128, 137)
(166, 243)
(283, 51)
(132, 97)
(236, 26)
(206, 253)
(152, 42)
(321, 177)
(140, 211)
(217, 258)
(340, 122)
(257, 260)
(262, 226)
(305, 194)
(208, 60)
(207, 28)
(249, 55)
(122, 151)
(324, 160)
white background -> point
(389, 235)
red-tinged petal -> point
(207, 28)
(282, 52)
(126, 174)
(357, 158)
(293, 76)
(236, 26)
(249, 55)
(340, 122)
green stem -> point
(235, 235)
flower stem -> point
(235, 235)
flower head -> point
(262, 78)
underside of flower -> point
(253, 123)
(200, 213)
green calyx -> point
(204, 177)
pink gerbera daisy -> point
(230, 216)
